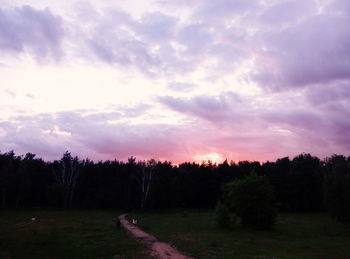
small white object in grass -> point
(33, 219)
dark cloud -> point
(28, 29)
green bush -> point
(222, 214)
(252, 199)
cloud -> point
(10, 93)
(293, 55)
(339, 6)
(219, 38)
(224, 9)
(119, 39)
(195, 38)
(333, 103)
(160, 45)
(287, 13)
(156, 27)
(24, 29)
(181, 86)
(219, 108)
(313, 51)
(218, 129)
(88, 135)
(329, 94)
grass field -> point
(65, 234)
(295, 236)
(93, 234)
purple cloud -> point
(119, 39)
(314, 51)
(340, 6)
(196, 38)
(296, 52)
(92, 136)
(155, 27)
(224, 9)
(287, 12)
(181, 86)
(25, 28)
(329, 94)
(216, 109)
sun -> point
(213, 157)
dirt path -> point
(159, 249)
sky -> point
(175, 80)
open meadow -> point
(94, 234)
(194, 233)
(65, 234)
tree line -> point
(302, 184)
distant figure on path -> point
(134, 221)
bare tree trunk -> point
(67, 177)
(72, 181)
(149, 183)
(146, 180)
(143, 186)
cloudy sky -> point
(184, 80)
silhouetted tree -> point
(300, 184)
(337, 187)
(65, 173)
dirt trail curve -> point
(159, 249)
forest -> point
(302, 184)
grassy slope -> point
(295, 236)
(65, 234)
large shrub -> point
(252, 200)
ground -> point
(94, 234)
(65, 234)
(158, 249)
(195, 233)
